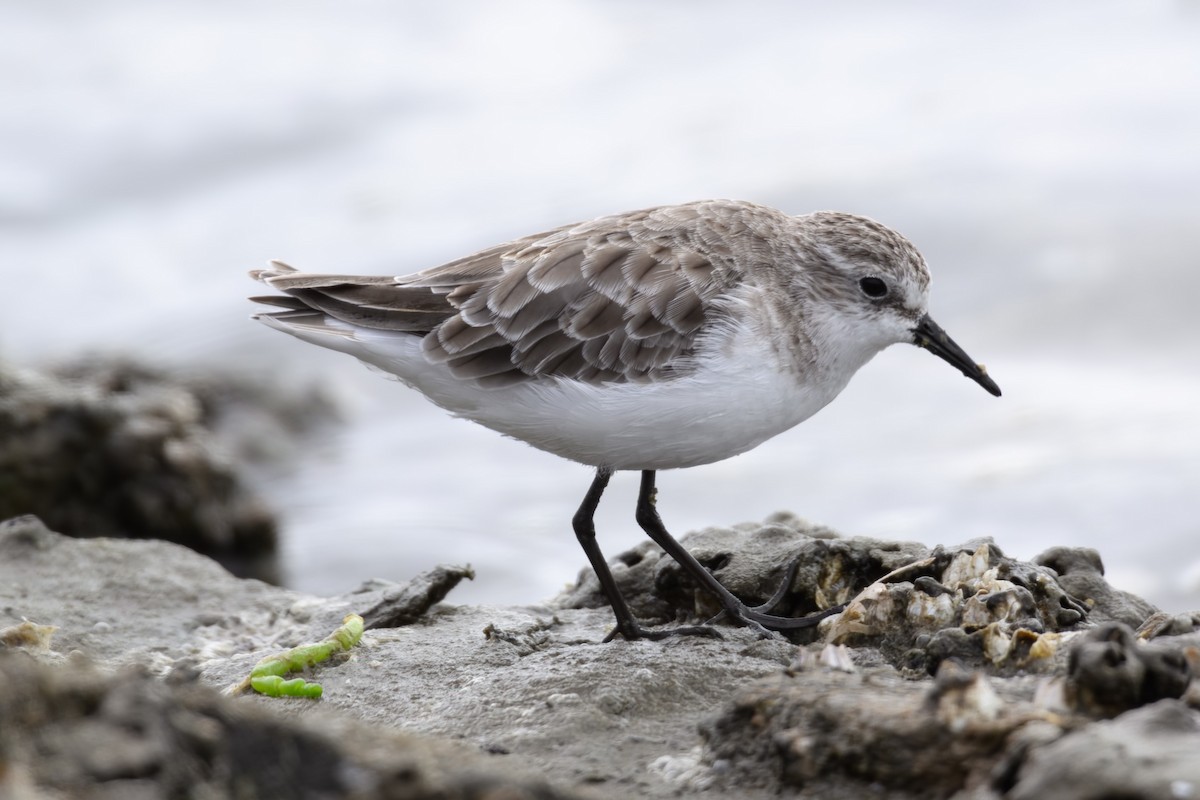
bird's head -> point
(874, 286)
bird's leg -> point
(651, 522)
(585, 531)
(789, 577)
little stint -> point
(655, 339)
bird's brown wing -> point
(612, 300)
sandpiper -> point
(655, 339)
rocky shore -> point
(953, 672)
(108, 447)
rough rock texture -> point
(916, 606)
(405, 604)
(129, 736)
(747, 560)
(1110, 671)
(835, 736)
(114, 449)
(254, 418)
(811, 730)
(1081, 573)
(1148, 753)
(532, 694)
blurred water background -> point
(1044, 157)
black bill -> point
(929, 334)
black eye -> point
(873, 287)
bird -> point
(662, 338)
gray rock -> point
(534, 687)
(751, 561)
(109, 448)
(915, 605)
(1080, 572)
(1111, 672)
(830, 734)
(1149, 753)
(255, 418)
(84, 733)
(405, 604)
(531, 694)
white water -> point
(1044, 158)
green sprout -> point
(267, 677)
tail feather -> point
(276, 269)
(312, 326)
(282, 301)
(374, 302)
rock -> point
(121, 601)
(751, 560)
(1147, 753)
(80, 732)
(114, 449)
(254, 418)
(404, 605)
(917, 605)
(836, 735)
(1081, 573)
(534, 687)
(1110, 672)
(973, 604)
(829, 734)
(538, 704)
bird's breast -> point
(735, 398)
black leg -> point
(585, 531)
(648, 518)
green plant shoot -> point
(267, 677)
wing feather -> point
(616, 299)
(601, 268)
(594, 318)
(557, 268)
(512, 292)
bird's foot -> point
(789, 576)
(767, 624)
(761, 618)
(632, 630)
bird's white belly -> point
(683, 423)
(728, 405)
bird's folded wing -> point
(593, 302)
